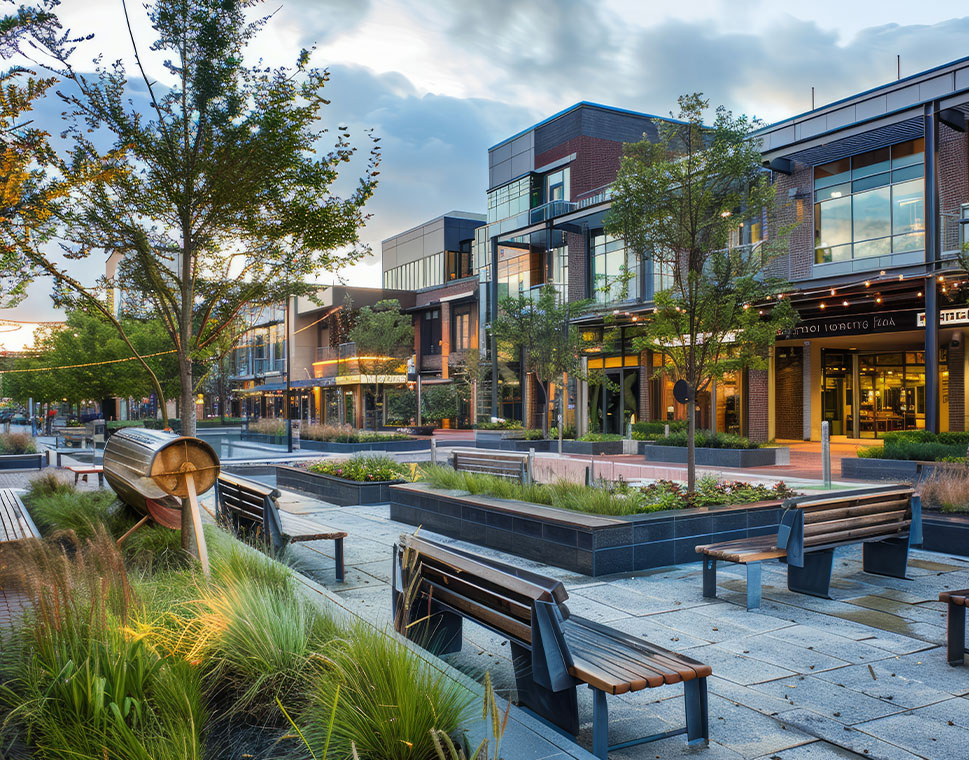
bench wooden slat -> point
(958, 598)
(467, 587)
(834, 539)
(857, 510)
(855, 499)
(15, 520)
(884, 519)
(483, 614)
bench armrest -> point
(551, 660)
(915, 529)
(790, 535)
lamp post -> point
(288, 356)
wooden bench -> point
(83, 470)
(956, 628)
(503, 464)
(436, 586)
(247, 506)
(15, 522)
(887, 520)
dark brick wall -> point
(596, 162)
(953, 181)
(425, 297)
(757, 410)
(578, 266)
(789, 393)
(645, 373)
(797, 211)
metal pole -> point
(418, 399)
(826, 453)
(433, 451)
(930, 124)
(493, 309)
(289, 422)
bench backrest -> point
(502, 464)
(812, 523)
(248, 503)
(496, 595)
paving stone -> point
(700, 626)
(748, 696)
(955, 710)
(737, 667)
(879, 680)
(775, 651)
(846, 737)
(935, 740)
(837, 702)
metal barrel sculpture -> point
(159, 473)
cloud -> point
(315, 22)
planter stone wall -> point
(22, 461)
(863, 468)
(718, 457)
(946, 533)
(336, 447)
(583, 543)
(344, 493)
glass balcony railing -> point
(550, 210)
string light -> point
(878, 300)
(822, 304)
(867, 283)
(844, 303)
(89, 364)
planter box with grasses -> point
(340, 447)
(946, 532)
(331, 489)
(718, 457)
(869, 468)
(590, 544)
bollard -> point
(531, 466)
(433, 451)
(666, 430)
(826, 453)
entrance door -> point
(836, 392)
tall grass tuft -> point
(78, 685)
(80, 513)
(376, 698)
(947, 488)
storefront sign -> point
(856, 324)
(947, 317)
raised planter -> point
(22, 461)
(334, 490)
(415, 430)
(864, 468)
(946, 533)
(336, 447)
(718, 457)
(583, 543)
(515, 444)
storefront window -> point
(869, 205)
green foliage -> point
(920, 445)
(384, 337)
(401, 406)
(610, 499)
(598, 437)
(499, 425)
(268, 426)
(17, 443)
(706, 440)
(83, 512)
(362, 468)
(650, 431)
(567, 434)
(47, 484)
(440, 402)
(347, 434)
(385, 700)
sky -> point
(439, 81)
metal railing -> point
(330, 353)
(550, 210)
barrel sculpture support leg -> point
(192, 503)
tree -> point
(541, 330)
(384, 338)
(440, 402)
(679, 202)
(215, 189)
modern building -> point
(327, 384)
(880, 182)
(434, 261)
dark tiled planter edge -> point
(343, 493)
(946, 533)
(335, 447)
(864, 468)
(22, 461)
(582, 543)
(719, 457)
(546, 445)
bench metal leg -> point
(888, 557)
(697, 713)
(709, 577)
(815, 577)
(956, 635)
(559, 709)
(338, 556)
(753, 585)
(600, 724)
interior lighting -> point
(941, 278)
(901, 277)
(920, 294)
(878, 300)
(822, 305)
(844, 303)
(882, 272)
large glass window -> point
(519, 270)
(871, 204)
(557, 185)
(615, 270)
(461, 328)
(508, 200)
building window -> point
(458, 263)
(557, 185)
(511, 199)
(519, 270)
(615, 270)
(461, 328)
(431, 332)
(871, 204)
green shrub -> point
(362, 468)
(268, 426)
(17, 443)
(568, 433)
(704, 439)
(531, 434)
(598, 437)
(82, 512)
(871, 452)
(499, 425)
(347, 434)
(384, 700)
(154, 549)
(47, 484)
(648, 431)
